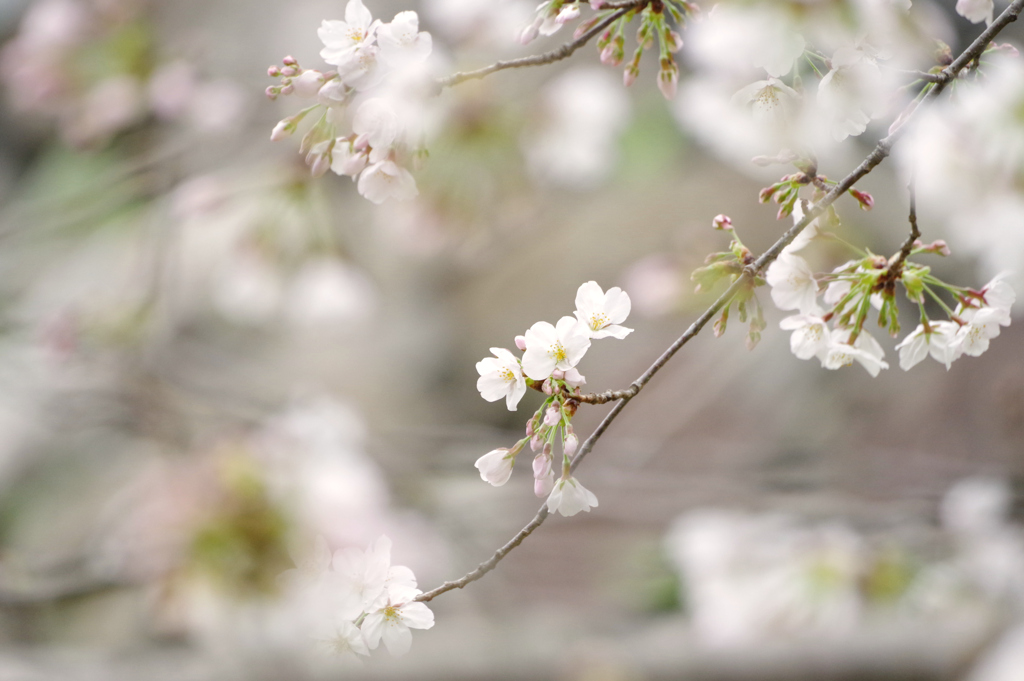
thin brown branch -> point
(896, 262)
(562, 52)
(880, 152)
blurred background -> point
(208, 358)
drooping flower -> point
(554, 347)
(810, 335)
(602, 313)
(496, 466)
(569, 497)
(387, 180)
(501, 376)
(865, 350)
(793, 284)
(392, 622)
(939, 340)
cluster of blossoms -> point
(850, 292)
(371, 58)
(371, 599)
(551, 15)
(550, 356)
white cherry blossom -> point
(810, 335)
(569, 497)
(501, 376)
(496, 466)
(602, 313)
(939, 342)
(401, 42)
(771, 100)
(392, 622)
(341, 39)
(793, 284)
(363, 576)
(387, 180)
(375, 125)
(851, 93)
(342, 638)
(554, 347)
(976, 11)
(982, 325)
(865, 350)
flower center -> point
(558, 352)
(598, 320)
(507, 375)
(391, 614)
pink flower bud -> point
(521, 342)
(308, 83)
(552, 416)
(530, 33)
(529, 428)
(537, 443)
(289, 71)
(290, 61)
(558, 374)
(865, 200)
(668, 79)
(281, 130)
(673, 41)
(547, 388)
(608, 55)
(629, 76)
(273, 72)
(271, 93)
(722, 222)
(542, 487)
(541, 466)
(596, 5)
(570, 444)
(321, 163)
(288, 89)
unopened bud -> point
(273, 72)
(537, 442)
(610, 55)
(629, 75)
(722, 222)
(543, 486)
(288, 89)
(290, 61)
(668, 78)
(530, 33)
(541, 466)
(529, 428)
(547, 388)
(570, 444)
(271, 93)
(865, 200)
(567, 14)
(521, 342)
(584, 27)
(596, 5)
(552, 416)
(281, 130)
(673, 41)
(558, 374)
(308, 83)
(289, 71)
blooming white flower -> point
(387, 180)
(309, 567)
(976, 11)
(810, 335)
(999, 294)
(569, 497)
(392, 622)
(501, 376)
(852, 93)
(793, 284)
(982, 325)
(496, 466)
(554, 347)
(345, 160)
(865, 350)
(343, 638)
(365, 577)
(401, 42)
(805, 237)
(341, 39)
(939, 341)
(772, 99)
(601, 313)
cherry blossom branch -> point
(562, 52)
(750, 273)
(896, 264)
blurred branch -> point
(562, 52)
(880, 152)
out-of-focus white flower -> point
(656, 283)
(501, 376)
(569, 497)
(976, 505)
(554, 347)
(584, 112)
(496, 466)
(362, 576)
(810, 335)
(387, 180)
(865, 350)
(401, 42)
(392, 622)
(375, 125)
(976, 11)
(939, 342)
(247, 289)
(852, 93)
(328, 292)
(343, 638)
(736, 37)
(809, 233)
(793, 284)
(771, 99)
(602, 313)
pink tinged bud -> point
(596, 5)
(552, 416)
(290, 61)
(530, 33)
(547, 388)
(629, 76)
(537, 443)
(308, 83)
(584, 27)
(612, 55)
(542, 487)
(570, 444)
(521, 342)
(722, 222)
(567, 14)
(281, 130)
(865, 200)
(271, 92)
(558, 374)
(941, 248)
(668, 81)
(320, 165)
(288, 89)
(673, 41)
(541, 466)
(273, 72)
(529, 429)
(289, 71)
